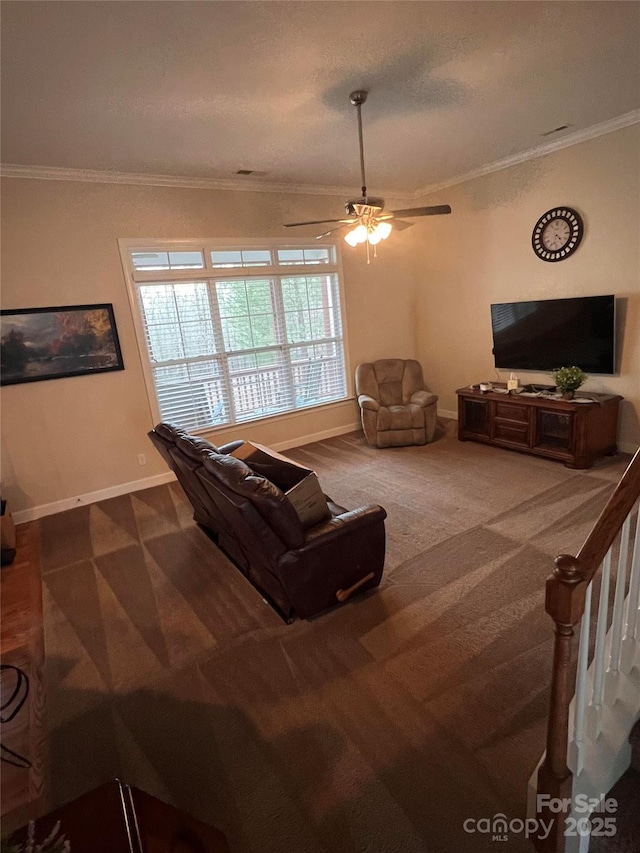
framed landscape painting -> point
(51, 343)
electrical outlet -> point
(142, 458)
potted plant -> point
(568, 380)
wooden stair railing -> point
(567, 592)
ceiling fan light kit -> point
(366, 214)
(358, 235)
(380, 232)
(368, 230)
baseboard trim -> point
(35, 512)
(627, 447)
(445, 413)
(317, 436)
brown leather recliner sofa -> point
(301, 571)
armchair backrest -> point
(279, 522)
(181, 453)
(187, 455)
(250, 509)
(163, 437)
(390, 381)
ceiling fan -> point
(367, 214)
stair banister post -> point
(565, 599)
(633, 603)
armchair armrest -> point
(423, 398)
(231, 446)
(339, 557)
(342, 525)
(367, 402)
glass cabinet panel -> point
(554, 429)
(476, 416)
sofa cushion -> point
(400, 417)
(389, 370)
(390, 393)
(268, 499)
(401, 437)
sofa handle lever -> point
(343, 594)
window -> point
(231, 334)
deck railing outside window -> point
(234, 334)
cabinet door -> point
(554, 430)
(475, 417)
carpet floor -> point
(380, 726)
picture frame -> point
(57, 342)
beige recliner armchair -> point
(396, 408)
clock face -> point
(557, 234)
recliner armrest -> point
(423, 398)
(338, 557)
(342, 525)
(231, 446)
(367, 402)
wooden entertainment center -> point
(573, 432)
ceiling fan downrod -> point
(358, 98)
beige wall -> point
(482, 254)
(426, 296)
(74, 436)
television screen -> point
(552, 333)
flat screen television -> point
(550, 333)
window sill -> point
(205, 431)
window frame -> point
(210, 273)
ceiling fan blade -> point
(331, 231)
(318, 222)
(401, 224)
(435, 210)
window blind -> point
(237, 335)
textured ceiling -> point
(202, 89)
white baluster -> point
(613, 671)
(630, 644)
(594, 710)
(577, 748)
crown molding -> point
(567, 141)
(95, 176)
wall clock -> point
(557, 234)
